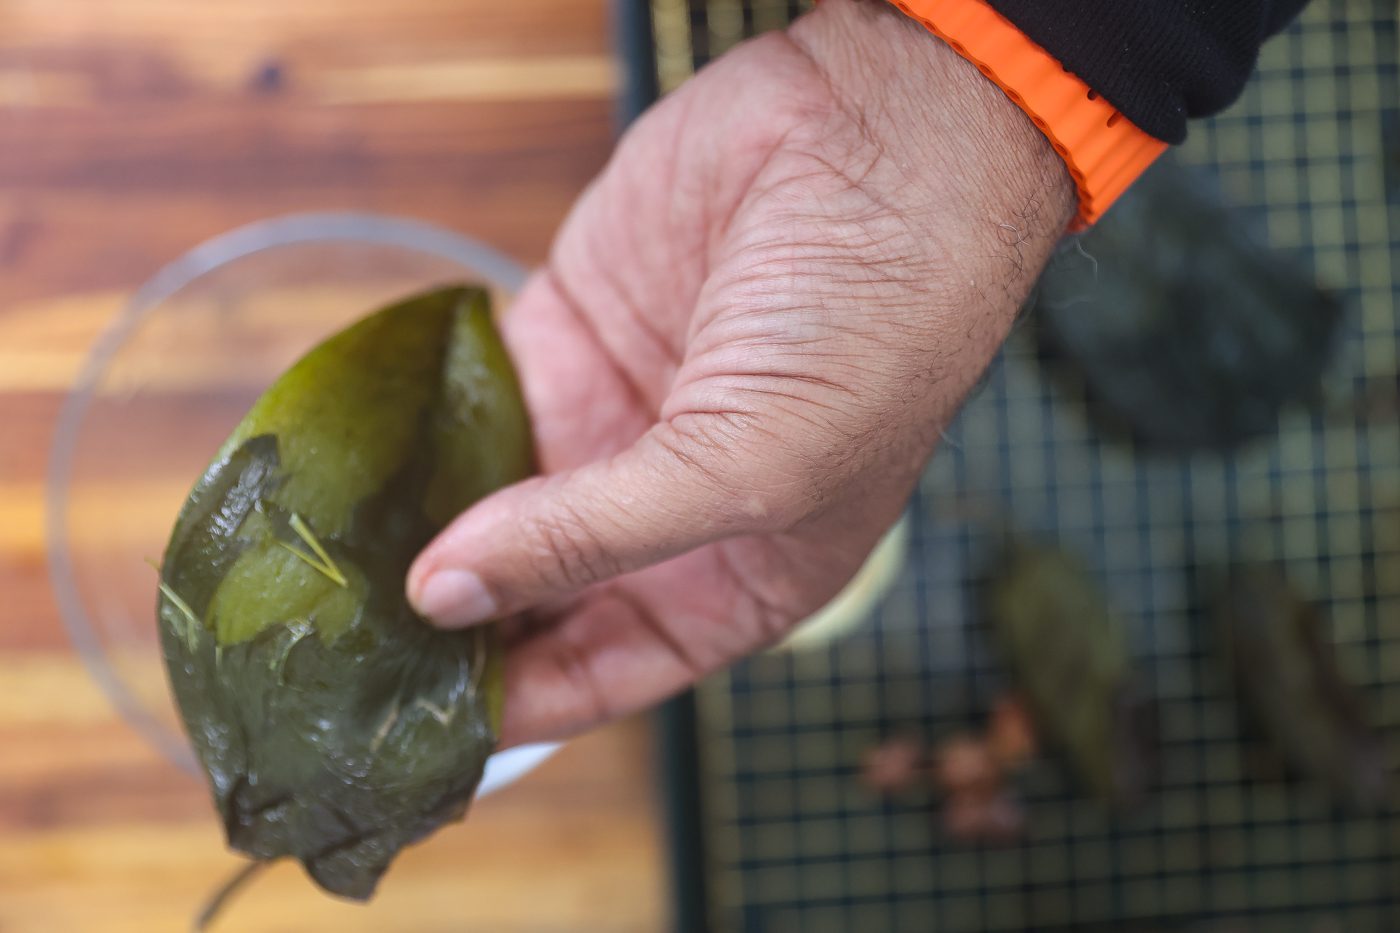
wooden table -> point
(131, 130)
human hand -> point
(748, 337)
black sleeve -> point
(1159, 62)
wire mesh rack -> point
(791, 840)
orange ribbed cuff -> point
(1103, 150)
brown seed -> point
(962, 817)
(1003, 818)
(893, 766)
(1011, 734)
(964, 764)
(973, 817)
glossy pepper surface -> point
(334, 724)
(1068, 656)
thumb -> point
(549, 536)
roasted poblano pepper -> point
(1288, 680)
(1067, 653)
(1184, 330)
(335, 725)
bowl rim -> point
(241, 242)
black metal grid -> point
(791, 839)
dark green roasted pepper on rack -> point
(335, 725)
(1180, 326)
(1068, 655)
(1287, 676)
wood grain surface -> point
(130, 130)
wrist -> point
(1102, 149)
(947, 125)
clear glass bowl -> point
(171, 378)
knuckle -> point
(569, 553)
(594, 702)
(784, 507)
(745, 493)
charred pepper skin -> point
(1179, 326)
(1286, 675)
